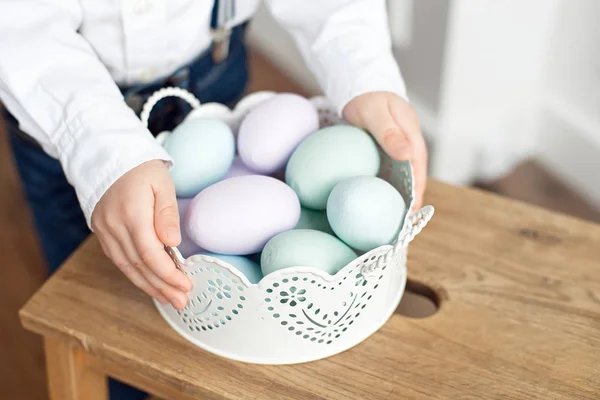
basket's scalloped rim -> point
(297, 358)
(188, 263)
(296, 314)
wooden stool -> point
(519, 317)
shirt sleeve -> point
(62, 95)
(346, 44)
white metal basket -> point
(297, 314)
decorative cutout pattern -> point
(218, 303)
(323, 323)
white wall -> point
(569, 142)
(574, 63)
(421, 57)
(490, 88)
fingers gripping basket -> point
(297, 314)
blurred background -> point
(508, 94)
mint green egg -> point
(313, 219)
(305, 248)
(327, 157)
(247, 267)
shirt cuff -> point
(379, 74)
(100, 146)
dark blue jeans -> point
(58, 218)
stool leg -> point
(69, 374)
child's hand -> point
(394, 124)
(132, 220)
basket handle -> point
(160, 94)
(157, 96)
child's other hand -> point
(394, 124)
(132, 220)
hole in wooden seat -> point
(419, 301)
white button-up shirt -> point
(60, 59)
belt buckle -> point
(220, 50)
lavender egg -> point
(239, 215)
(187, 247)
(273, 129)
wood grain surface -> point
(70, 376)
(519, 318)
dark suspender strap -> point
(214, 19)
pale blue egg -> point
(313, 219)
(249, 268)
(202, 152)
(365, 212)
(327, 157)
(305, 248)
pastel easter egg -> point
(202, 152)
(239, 215)
(365, 212)
(187, 247)
(247, 267)
(238, 168)
(305, 248)
(327, 157)
(313, 219)
(273, 129)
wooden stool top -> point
(519, 318)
